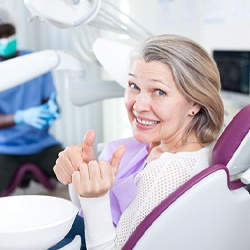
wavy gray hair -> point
(196, 76)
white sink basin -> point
(36, 222)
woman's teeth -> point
(146, 122)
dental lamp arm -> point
(78, 11)
(24, 68)
(21, 69)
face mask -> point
(8, 46)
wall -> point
(213, 23)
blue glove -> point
(37, 117)
(53, 108)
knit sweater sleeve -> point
(100, 232)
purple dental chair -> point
(212, 210)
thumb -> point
(117, 157)
(89, 138)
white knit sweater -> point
(155, 182)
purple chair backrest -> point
(231, 140)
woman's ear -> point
(195, 109)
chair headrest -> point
(233, 146)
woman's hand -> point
(94, 179)
(72, 157)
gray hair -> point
(196, 76)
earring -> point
(192, 112)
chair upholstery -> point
(37, 174)
(231, 140)
(209, 211)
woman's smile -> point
(146, 122)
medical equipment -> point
(115, 63)
(101, 15)
(41, 62)
(210, 211)
(34, 221)
(234, 68)
(113, 55)
(69, 13)
(105, 17)
(34, 65)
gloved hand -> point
(37, 117)
(53, 108)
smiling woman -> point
(196, 77)
(152, 99)
(176, 114)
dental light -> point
(91, 16)
(102, 15)
(81, 92)
(99, 13)
(116, 62)
(112, 55)
(64, 13)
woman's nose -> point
(142, 102)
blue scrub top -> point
(24, 139)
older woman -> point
(176, 113)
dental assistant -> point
(26, 113)
(176, 113)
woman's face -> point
(156, 109)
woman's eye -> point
(133, 86)
(160, 92)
